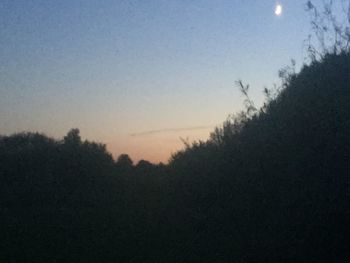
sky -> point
(140, 75)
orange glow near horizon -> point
(155, 148)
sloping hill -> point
(277, 183)
(269, 187)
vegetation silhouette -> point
(269, 185)
(278, 180)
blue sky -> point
(116, 68)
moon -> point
(278, 10)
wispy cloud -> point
(143, 133)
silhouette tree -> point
(73, 137)
(269, 185)
(124, 163)
(331, 32)
(144, 165)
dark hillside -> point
(278, 182)
(266, 187)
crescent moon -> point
(278, 10)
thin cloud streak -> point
(171, 130)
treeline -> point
(270, 185)
(68, 200)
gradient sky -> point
(117, 69)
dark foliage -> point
(268, 186)
(124, 164)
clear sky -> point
(116, 69)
